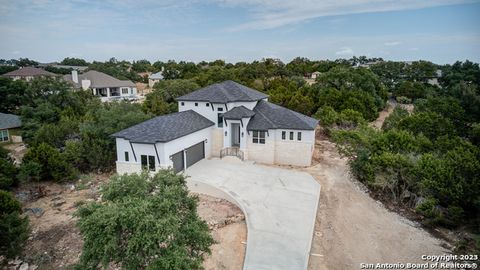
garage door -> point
(177, 160)
(195, 153)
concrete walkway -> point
(280, 207)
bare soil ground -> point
(352, 228)
(55, 242)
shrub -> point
(404, 100)
(8, 173)
(53, 165)
(144, 222)
(13, 228)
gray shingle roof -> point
(29, 71)
(9, 121)
(227, 91)
(271, 116)
(165, 128)
(238, 113)
(99, 80)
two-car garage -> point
(188, 157)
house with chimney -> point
(106, 87)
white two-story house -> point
(215, 121)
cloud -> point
(345, 51)
(392, 43)
(268, 14)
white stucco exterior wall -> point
(294, 152)
(165, 150)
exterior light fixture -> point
(225, 133)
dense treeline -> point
(427, 159)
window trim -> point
(291, 136)
(258, 137)
(196, 104)
(299, 136)
(220, 109)
(149, 163)
(207, 104)
(182, 103)
(124, 90)
(284, 135)
(3, 136)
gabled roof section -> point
(156, 76)
(9, 121)
(224, 92)
(29, 71)
(271, 116)
(99, 80)
(238, 113)
(165, 128)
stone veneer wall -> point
(217, 141)
(293, 153)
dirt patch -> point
(56, 243)
(352, 228)
(229, 231)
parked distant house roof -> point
(227, 91)
(271, 116)
(29, 71)
(99, 80)
(165, 128)
(238, 113)
(156, 76)
(9, 121)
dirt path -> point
(352, 228)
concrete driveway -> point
(280, 207)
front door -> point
(236, 135)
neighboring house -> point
(315, 74)
(56, 65)
(154, 78)
(9, 127)
(221, 119)
(434, 79)
(28, 74)
(103, 85)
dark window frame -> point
(182, 103)
(220, 109)
(299, 136)
(258, 137)
(148, 162)
(291, 136)
(207, 104)
(284, 135)
(127, 158)
(196, 104)
(219, 120)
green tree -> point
(53, 164)
(145, 222)
(13, 227)
(72, 61)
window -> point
(299, 136)
(284, 135)
(3, 135)
(220, 120)
(196, 104)
(126, 157)
(259, 137)
(220, 109)
(291, 135)
(148, 162)
(182, 103)
(207, 104)
(124, 90)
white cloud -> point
(345, 51)
(392, 43)
(268, 14)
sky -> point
(441, 31)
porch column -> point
(108, 92)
